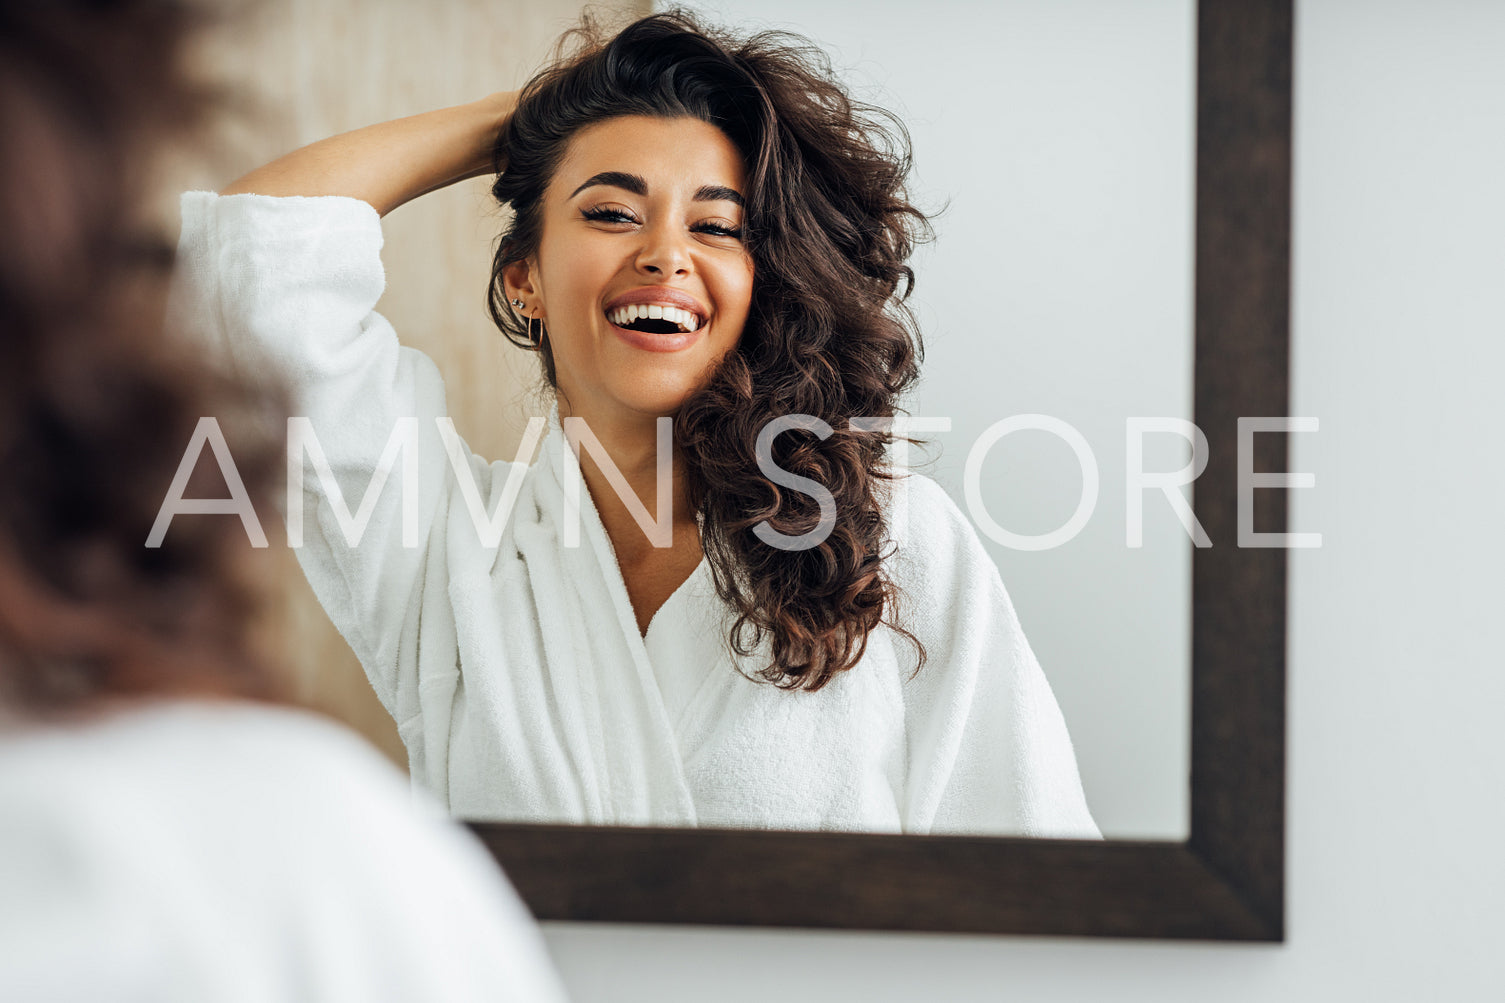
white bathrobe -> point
(516, 673)
(183, 851)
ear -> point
(518, 280)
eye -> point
(608, 214)
(718, 229)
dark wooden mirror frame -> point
(1225, 882)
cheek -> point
(729, 279)
(739, 290)
(572, 278)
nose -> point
(665, 251)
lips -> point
(657, 318)
(639, 304)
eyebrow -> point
(634, 183)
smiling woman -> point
(825, 226)
(708, 235)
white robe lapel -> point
(593, 647)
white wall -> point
(1397, 766)
(1058, 136)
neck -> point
(631, 443)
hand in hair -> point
(392, 162)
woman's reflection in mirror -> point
(704, 227)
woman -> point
(167, 831)
(707, 230)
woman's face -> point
(641, 275)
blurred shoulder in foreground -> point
(202, 850)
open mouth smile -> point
(657, 319)
(652, 318)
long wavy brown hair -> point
(96, 404)
(830, 229)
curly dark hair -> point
(830, 229)
(96, 404)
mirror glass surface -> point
(1058, 138)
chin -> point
(655, 391)
(658, 403)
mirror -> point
(1224, 879)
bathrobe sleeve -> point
(988, 751)
(285, 288)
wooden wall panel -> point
(305, 69)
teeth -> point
(622, 316)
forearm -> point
(392, 162)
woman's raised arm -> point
(392, 162)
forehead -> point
(673, 155)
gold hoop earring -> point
(536, 339)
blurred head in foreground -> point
(96, 405)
